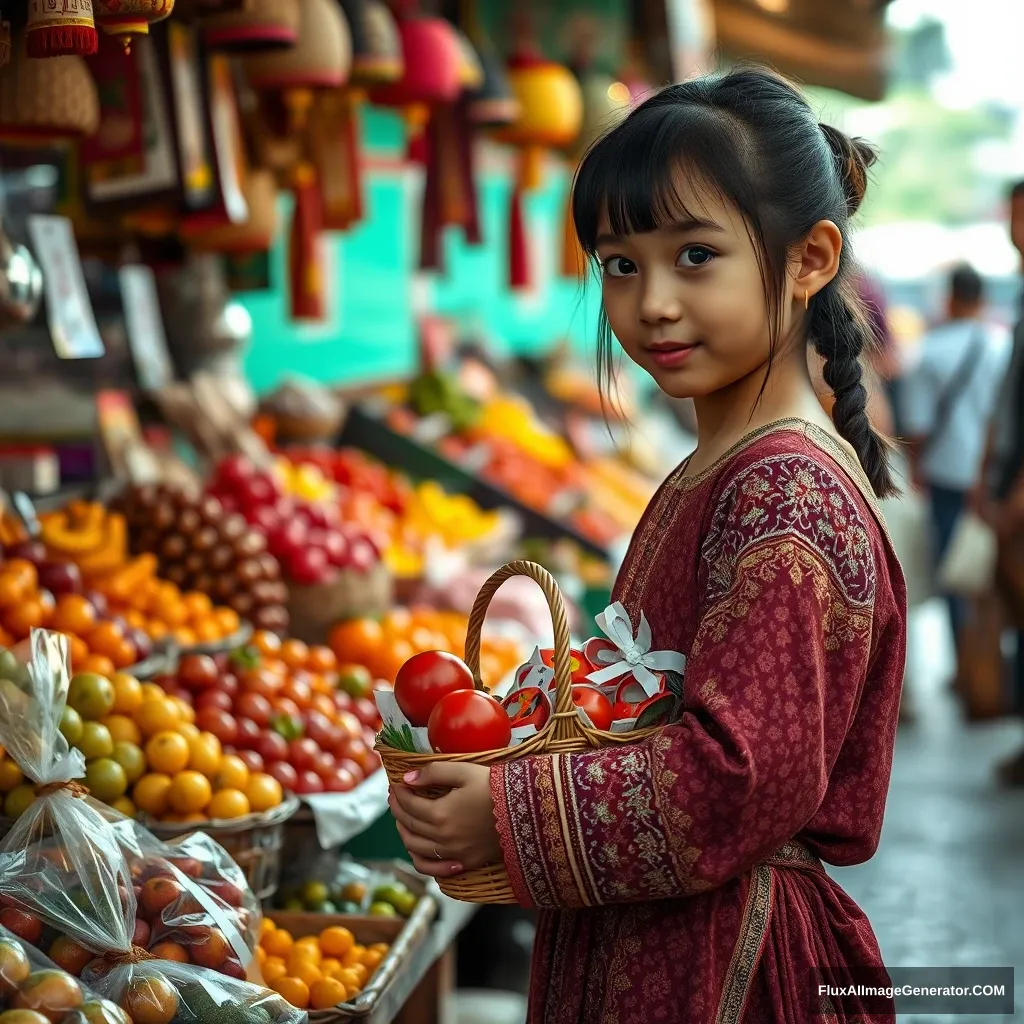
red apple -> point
(320, 729)
(141, 935)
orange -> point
(156, 629)
(336, 941)
(79, 651)
(349, 979)
(266, 642)
(205, 754)
(356, 639)
(188, 713)
(185, 636)
(353, 957)
(329, 965)
(127, 693)
(233, 773)
(310, 944)
(298, 958)
(190, 731)
(228, 803)
(122, 729)
(23, 617)
(360, 971)
(190, 792)
(273, 968)
(123, 654)
(294, 990)
(327, 992)
(167, 752)
(151, 794)
(197, 604)
(321, 659)
(294, 653)
(135, 619)
(158, 715)
(105, 638)
(380, 947)
(277, 943)
(305, 970)
(24, 572)
(98, 663)
(206, 630)
(228, 621)
(74, 614)
(173, 611)
(11, 591)
(151, 691)
(266, 925)
(372, 959)
(261, 955)
(172, 951)
(264, 792)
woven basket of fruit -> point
(254, 842)
(563, 732)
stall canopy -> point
(840, 44)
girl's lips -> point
(670, 356)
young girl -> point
(680, 879)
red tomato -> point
(219, 722)
(596, 706)
(198, 672)
(427, 677)
(303, 754)
(213, 699)
(272, 747)
(467, 722)
(285, 774)
(253, 760)
(248, 733)
(254, 706)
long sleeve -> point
(773, 682)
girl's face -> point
(686, 301)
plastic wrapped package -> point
(102, 884)
(44, 992)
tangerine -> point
(22, 618)
(127, 693)
(356, 639)
(173, 951)
(11, 591)
(74, 614)
(190, 792)
(228, 621)
(206, 630)
(78, 651)
(294, 990)
(349, 979)
(158, 715)
(264, 792)
(310, 944)
(277, 943)
(266, 643)
(305, 970)
(371, 959)
(294, 653)
(197, 604)
(152, 794)
(321, 659)
(98, 663)
(327, 992)
(167, 753)
(185, 636)
(188, 713)
(24, 572)
(228, 803)
(233, 773)
(123, 729)
(205, 754)
(105, 638)
(336, 941)
(273, 968)
(152, 691)
(150, 999)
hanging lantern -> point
(605, 103)
(430, 74)
(5, 43)
(320, 59)
(46, 101)
(60, 27)
(493, 103)
(471, 70)
(256, 25)
(376, 45)
(129, 18)
(551, 113)
(334, 151)
(255, 234)
(306, 274)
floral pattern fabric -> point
(657, 865)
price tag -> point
(68, 308)
(145, 326)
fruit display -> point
(307, 537)
(384, 645)
(347, 887)
(411, 517)
(88, 534)
(275, 709)
(200, 545)
(317, 972)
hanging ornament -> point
(5, 42)
(256, 25)
(430, 74)
(60, 27)
(254, 234)
(376, 45)
(306, 274)
(129, 18)
(551, 112)
(46, 101)
(334, 150)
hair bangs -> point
(634, 173)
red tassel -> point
(467, 172)
(430, 218)
(355, 163)
(61, 41)
(305, 255)
(518, 258)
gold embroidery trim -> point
(753, 929)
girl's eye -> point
(694, 256)
(619, 266)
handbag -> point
(968, 568)
(910, 529)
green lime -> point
(314, 893)
(405, 903)
(382, 910)
(294, 905)
(96, 741)
(71, 726)
(106, 779)
(19, 800)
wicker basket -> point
(254, 842)
(563, 734)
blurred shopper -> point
(1003, 490)
(948, 402)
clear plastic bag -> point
(103, 883)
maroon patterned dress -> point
(680, 878)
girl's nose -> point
(659, 302)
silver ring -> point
(437, 856)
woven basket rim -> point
(225, 826)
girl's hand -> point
(454, 833)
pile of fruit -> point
(29, 581)
(285, 709)
(31, 993)
(318, 971)
(384, 502)
(88, 534)
(384, 645)
(307, 537)
(388, 899)
(200, 545)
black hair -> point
(965, 284)
(1017, 189)
(747, 137)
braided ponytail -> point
(840, 333)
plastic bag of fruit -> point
(64, 836)
(34, 989)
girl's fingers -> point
(419, 845)
(411, 823)
(417, 807)
(436, 868)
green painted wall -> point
(376, 289)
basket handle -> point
(559, 620)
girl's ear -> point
(817, 260)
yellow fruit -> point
(125, 806)
(10, 775)
(305, 970)
(274, 968)
(150, 691)
(158, 715)
(336, 941)
(205, 754)
(152, 794)
(123, 729)
(233, 773)
(277, 943)
(168, 753)
(326, 992)
(228, 803)
(264, 792)
(190, 792)
(294, 990)
(128, 695)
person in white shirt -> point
(948, 401)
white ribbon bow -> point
(633, 655)
(539, 674)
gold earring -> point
(807, 299)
